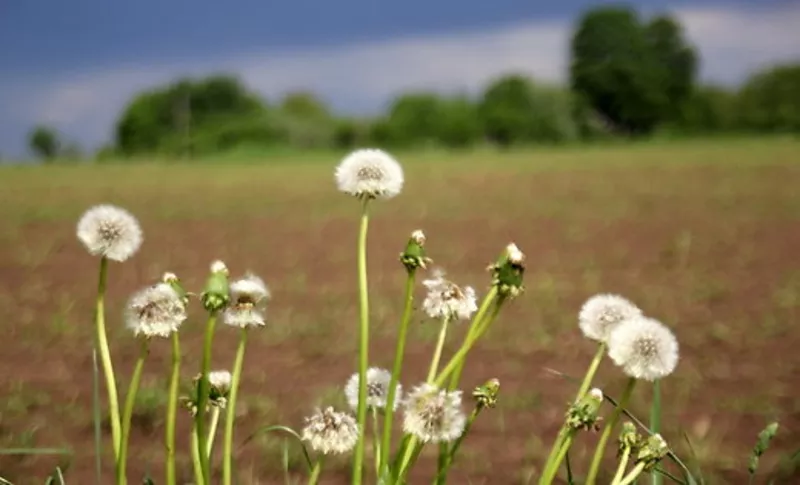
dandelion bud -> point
(414, 255)
(486, 395)
(628, 437)
(583, 414)
(216, 294)
(508, 271)
(172, 280)
(653, 450)
(764, 438)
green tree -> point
(44, 142)
(770, 100)
(306, 121)
(676, 63)
(613, 66)
(708, 109)
(457, 122)
(412, 119)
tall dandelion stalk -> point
(248, 298)
(156, 311)
(366, 174)
(174, 383)
(113, 234)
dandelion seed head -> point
(433, 415)
(110, 231)
(378, 381)
(419, 237)
(156, 311)
(219, 267)
(370, 173)
(445, 299)
(248, 297)
(331, 432)
(644, 348)
(220, 380)
(602, 313)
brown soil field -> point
(703, 236)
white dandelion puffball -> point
(378, 381)
(329, 432)
(644, 348)
(369, 173)
(601, 313)
(110, 231)
(445, 299)
(156, 311)
(249, 296)
(220, 380)
(433, 415)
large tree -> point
(676, 63)
(770, 100)
(44, 142)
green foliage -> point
(676, 63)
(770, 100)
(708, 109)
(44, 142)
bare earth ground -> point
(703, 236)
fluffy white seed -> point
(433, 415)
(602, 313)
(378, 381)
(156, 311)
(369, 173)
(331, 432)
(445, 299)
(644, 348)
(110, 231)
(249, 296)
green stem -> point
(127, 414)
(196, 464)
(601, 445)
(172, 408)
(437, 353)
(473, 328)
(460, 355)
(552, 460)
(212, 431)
(202, 398)
(550, 474)
(633, 475)
(449, 452)
(408, 455)
(363, 344)
(227, 455)
(105, 357)
(315, 473)
(623, 463)
(655, 426)
(397, 368)
(376, 443)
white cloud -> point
(732, 42)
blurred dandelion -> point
(248, 296)
(446, 300)
(433, 415)
(110, 231)
(378, 381)
(644, 348)
(156, 311)
(602, 313)
(331, 432)
(369, 173)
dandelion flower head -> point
(378, 381)
(644, 348)
(249, 296)
(329, 431)
(110, 231)
(445, 299)
(155, 311)
(601, 313)
(370, 173)
(433, 415)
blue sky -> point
(74, 64)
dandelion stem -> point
(397, 368)
(461, 354)
(450, 451)
(105, 357)
(408, 454)
(202, 398)
(601, 445)
(473, 328)
(212, 431)
(623, 463)
(437, 353)
(315, 472)
(172, 408)
(363, 343)
(130, 401)
(633, 475)
(227, 453)
(376, 443)
(552, 461)
(198, 467)
(550, 473)
(655, 426)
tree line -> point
(628, 77)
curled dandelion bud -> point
(329, 431)
(433, 415)
(644, 348)
(629, 438)
(508, 271)
(248, 299)
(369, 173)
(486, 395)
(110, 231)
(445, 299)
(156, 311)
(172, 280)
(602, 313)
(378, 381)
(583, 414)
(652, 451)
(414, 255)
(216, 294)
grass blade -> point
(3, 481)
(35, 451)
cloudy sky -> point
(74, 64)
